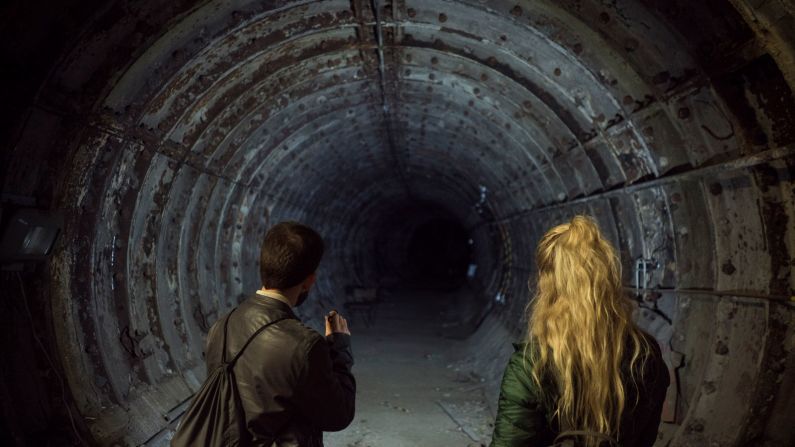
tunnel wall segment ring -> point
(744, 201)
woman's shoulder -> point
(652, 352)
(520, 353)
(656, 369)
(520, 364)
(518, 370)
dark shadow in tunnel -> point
(422, 258)
(438, 253)
(422, 246)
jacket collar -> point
(275, 295)
(272, 304)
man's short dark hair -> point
(290, 253)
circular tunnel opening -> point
(421, 245)
(438, 253)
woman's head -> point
(579, 274)
(579, 325)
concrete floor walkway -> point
(412, 389)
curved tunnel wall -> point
(174, 135)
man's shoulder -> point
(298, 328)
(251, 316)
(304, 336)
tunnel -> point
(431, 143)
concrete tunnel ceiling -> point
(174, 134)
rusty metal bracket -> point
(132, 343)
(642, 268)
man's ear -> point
(310, 281)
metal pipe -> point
(390, 134)
(719, 293)
(703, 171)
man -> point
(293, 383)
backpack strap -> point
(578, 433)
(245, 345)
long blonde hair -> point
(580, 328)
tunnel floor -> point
(415, 386)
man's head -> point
(290, 255)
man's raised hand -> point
(336, 324)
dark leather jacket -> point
(294, 383)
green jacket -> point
(522, 417)
(525, 420)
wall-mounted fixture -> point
(479, 206)
(29, 235)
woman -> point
(586, 375)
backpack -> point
(215, 417)
(567, 438)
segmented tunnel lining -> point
(197, 126)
